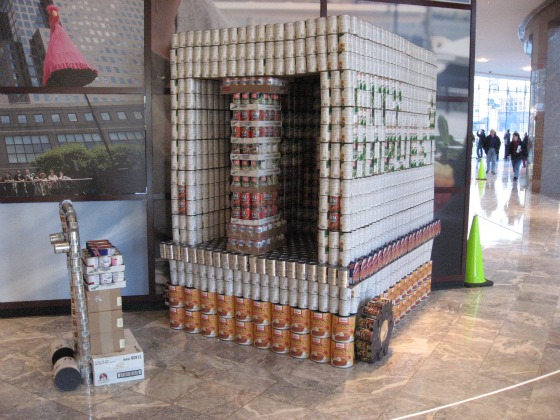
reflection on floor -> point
(460, 344)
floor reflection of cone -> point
(474, 276)
(481, 172)
(481, 185)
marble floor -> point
(457, 346)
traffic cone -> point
(474, 276)
(481, 172)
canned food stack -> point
(103, 266)
(199, 161)
(256, 226)
(410, 291)
(68, 242)
(374, 329)
(354, 169)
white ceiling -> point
(497, 24)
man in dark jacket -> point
(491, 148)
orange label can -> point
(261, 312)
(243, 309)
(192, 299)
(342, 354)
(262, 336)
(280, 341)
(343, 328)
(208, 303)
(281, 317)
(226, 329)
(192, 322)
(300, 345)
(177, 318)
(226, 306)
(209, 325)
(301, 320)
(321, 324)
(244, 333)
(176, 296)
(320, 350)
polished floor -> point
(464, 351)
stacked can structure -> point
(199, 161)
(356, 173)
(256, 225)
(68, 241)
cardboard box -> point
(103, 300)
(119, 367)
(100, 322)
(107, 342)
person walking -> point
(480, 144)
(517, 151)
(507, 140)
(525, 143)
(492, 148)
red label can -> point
(246, 200)
(257, 199)
(236, 199)
(246, 214)
(334, 221)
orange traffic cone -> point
(474, 276)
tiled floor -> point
(460, 344)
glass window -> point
(137, 115)
(22, 119)
(55, 118)
(72, 117)
(5, 119)
(105, 116)
(24, 149)
(500, 104)
(39, 118)
(88, 116)
(121, 115)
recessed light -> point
(482, 60)
(526, 68)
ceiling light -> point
(482, 60)
(526, 68)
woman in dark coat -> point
(518, 152)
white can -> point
(301, 65)
(289, 31)
(310, 28)
(289, 65)
(251, 33)
(300, 31)
(310, 46)
(332, 24)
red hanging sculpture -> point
(64, 65)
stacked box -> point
(355, 180)
(122, 366)
(103, 267)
